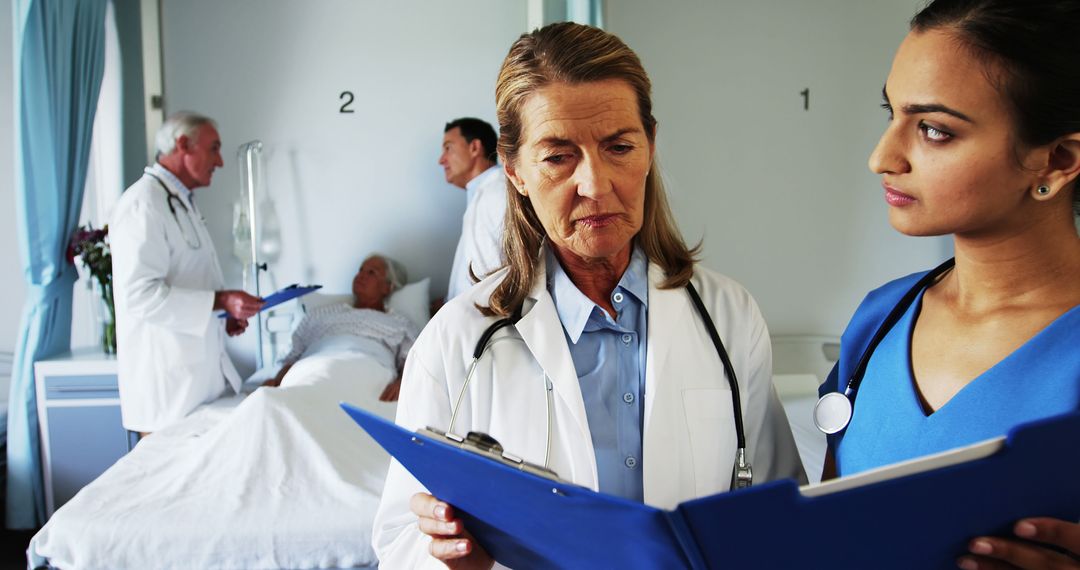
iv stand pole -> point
(250, 159)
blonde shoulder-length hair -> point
(573, 53)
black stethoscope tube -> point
(742, 474)
(890, 321)
(485, 338)
(729, 370)
(187, 212)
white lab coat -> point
(170, 345)
(689, 434)
(481, 230)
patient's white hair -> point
(182, 123)
(395, 271)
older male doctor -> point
(168, 284)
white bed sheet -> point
(798, 393)
(279, 479)
(808, 438)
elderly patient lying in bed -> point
(368, 325)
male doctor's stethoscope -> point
(195, 243)
(742, 473)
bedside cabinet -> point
(78, 407)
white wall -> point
(781, 195)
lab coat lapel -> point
(670, 317)
(542, 332)
(668, 313)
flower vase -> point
(108, 337)
(108, 320)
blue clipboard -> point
(924, 520)
(282, 295)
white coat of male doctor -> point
(168, 284)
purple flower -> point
(91, 246)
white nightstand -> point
(79, 416)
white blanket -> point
(280, 479)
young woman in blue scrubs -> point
(983, 143)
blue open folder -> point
(920, 520)
(281, 295)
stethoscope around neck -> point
(195, 243)
(833, 411)
(742, 472)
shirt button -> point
(631, 462)
(628, 398)
(617, 297)
(626, 338)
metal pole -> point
(251, 151)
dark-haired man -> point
(469, 161)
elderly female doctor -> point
(640, 404)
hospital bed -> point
(800, 365)
(280, 478)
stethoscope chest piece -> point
(832, 412)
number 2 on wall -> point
(347, 97)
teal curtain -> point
(59, 61)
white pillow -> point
(412, 300)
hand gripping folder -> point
(282, 295)
(914, 518)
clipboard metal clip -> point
(482, 444)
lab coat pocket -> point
(711, 427)
(178, 349)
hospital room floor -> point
(13, 549)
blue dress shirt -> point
(609, 357)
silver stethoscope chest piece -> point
(832, 412)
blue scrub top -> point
(1040, 379)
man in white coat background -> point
(469, 161)
(168, 284)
